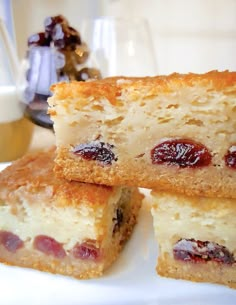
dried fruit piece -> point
(181, 152)
(49, 246)
(230, 157)
(118, 220)
(86, 250)
(10, 241)
(98, 151)
(202, 251)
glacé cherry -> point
(202, 251)
(181, 152)
(86, 250)
(10, 241)
(49, 246)
(98, 151)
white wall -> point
(188, 35)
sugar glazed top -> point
(112, 88)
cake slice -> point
(175, 132)
(53, 225)
(196, 237)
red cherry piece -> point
(191, 250)
(49, 246)
(86, 251)
(181, 152)
(10, 241)
(230, 157)
(98, 151)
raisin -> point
(10, 241)
(86, 251)
(181, 152)
(202, 251)
(98, 151)
(49, 246)
(118, 220)
(230, 157)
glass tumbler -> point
(120, 46)
(15, 130)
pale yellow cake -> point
(175, 132)
(196, 237)
(53, 225)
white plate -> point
(132, 280)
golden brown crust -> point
(111, 88)
(34, 172)
(198, 272)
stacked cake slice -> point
(174, 134)
(196, 237)
(64, 227)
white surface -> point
(132, 280)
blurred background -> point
(184, 36)
(188, 35)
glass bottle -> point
(15, 130)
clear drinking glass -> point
(120, 46)
(15, 129)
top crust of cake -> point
(33, 175)
(111, 88)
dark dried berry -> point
(181, 152)
(202, 251)
(98, 151)
(39, 39)
(86, 250)
(118, 219)
(230, 157)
